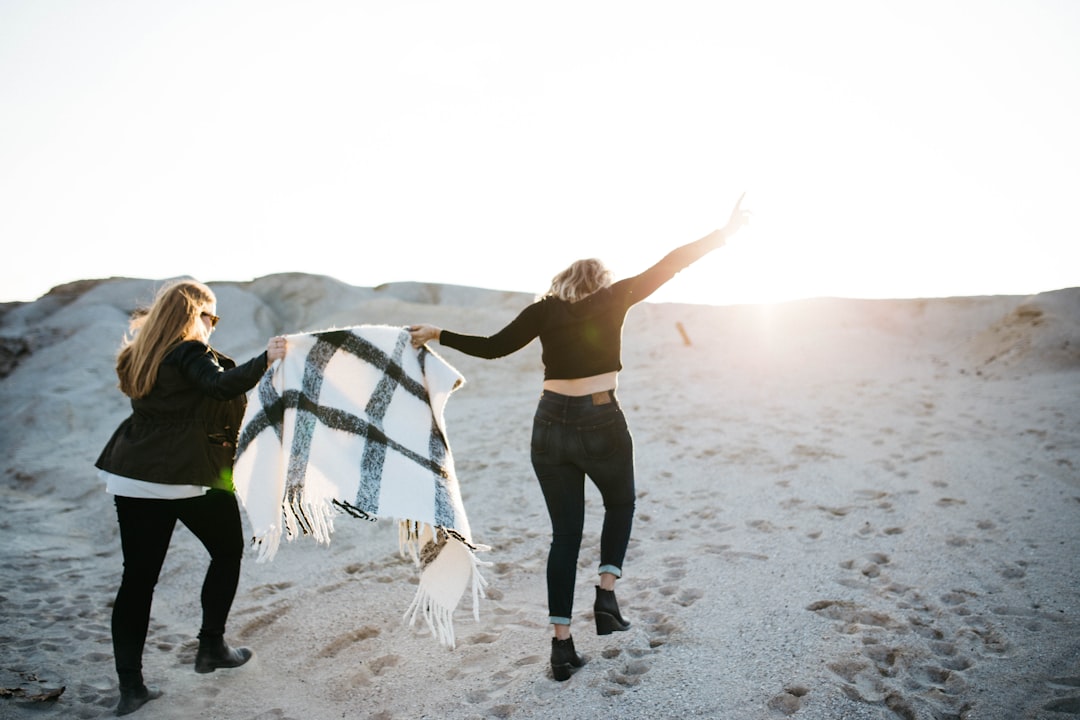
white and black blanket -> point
(352, 421)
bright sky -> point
(915, 148)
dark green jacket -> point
(184, 431)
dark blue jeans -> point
(146, 528)
(573, 437)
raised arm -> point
(692, 252)
(645, 284)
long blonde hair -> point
(581, 279)
(156, 330)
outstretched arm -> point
(519, 333)
(645, 284)
(718, 238)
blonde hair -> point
(580, 280)
(156, 330)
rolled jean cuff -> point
(617, 572)
(559, 620)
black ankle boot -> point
(606, 610)
(214, 654)
(133, 698)
(564, 659)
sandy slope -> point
(847, 509)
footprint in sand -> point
(611, 653)
(529, 660)
(853, 618)
(674, 573)
(762, 525)
(1068, 705)
(168, 643)
(835, 512)
(380, 664)
(274, 714)
(789, 701)
(957, 597)
(482, 639)
(350, 638)
(890, 671)
(688, 597)
(659, 628)
(629, 674)
(263, 620)
(1013, 571)
(917, 668)
(868, 566)
(260, 592)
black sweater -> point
(584, 338)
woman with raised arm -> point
(579, 429)
(170, 460)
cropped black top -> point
(583, 338)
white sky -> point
(913, 148)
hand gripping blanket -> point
(352, 421)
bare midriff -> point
(577, 387)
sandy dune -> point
(847, 509)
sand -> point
(846, 509)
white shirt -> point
(129, 487)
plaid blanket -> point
(351, 421)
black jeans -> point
(146, 527)
(573, 437)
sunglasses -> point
(213, 319)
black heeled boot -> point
(214, 654)
(564, 659)
(133, 698)
(606, 610)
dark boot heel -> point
(606, 610)
(216, 654)
(564, 659)
(131, 699)
(607, 624)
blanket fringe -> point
(426, 545)
(266, 545)
(440, 619)
(300, 517)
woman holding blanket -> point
(579, 428)
(172, 460)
